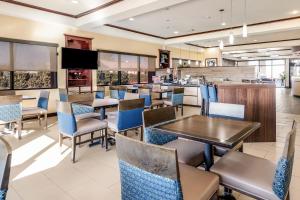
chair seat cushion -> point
(246, 173)
(87, 115)
(197, 184)
(90, 125)
(189, 152)
(33, 111)
(168, 103)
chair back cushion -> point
(284, 166)
(147, 171)
(100, 95)
(63, 94)
(10, 108)
(204, 92)
(5, 164)
(66, 119)
(130, 114)
(145, 93)
(226, 110)
(212, 93)
(156, 117)
(177, 96)
(43, 99)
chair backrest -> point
(177, 96)
(147, 171)
(66, 119)
(284, 168)
(155, 117)
(10, 108)
(212, 93)
(145, 93)
(43, 99)
(7, 92)
(117, 92)
(204, 92)
(130, 114)
(63, 94)
(5, 164)
(100, 94)
(226, 110)
(129, 95)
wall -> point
(16, 28)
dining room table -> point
(161, 92)
(210, 131)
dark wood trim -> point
(134, 31)
(110, 3)
(28, 42)
(76, 36)
(125, 53)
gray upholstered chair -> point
(176, 99)
(40, 109)
(70, 128)
(189, 152)
(153, 172)
(227, 111)
(5, 164)
(258, 177)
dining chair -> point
(212, 93)
(11, 111)
(145, 93)
(152, 172)
(205, 99)
(128, 116)
(176, 99)
(80, 110)
(63, 94)
(227, 111)
(5, 165)
(70, 128)
(100, 93)
(40, 109)
(7, 92)
(258, 177)
(117, 92)
(189, 152)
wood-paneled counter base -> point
(260, 106)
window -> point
(27, 65)
(122, 68)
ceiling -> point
(203, 15)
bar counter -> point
(260, 106)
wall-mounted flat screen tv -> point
(79, 59)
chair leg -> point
(106, 140)
(73, 149)
(46, 121)
(182, 110)
(125, 133)
(60, 139)
(39, 118)
(176, 108)
(19, 129)
(142, 134)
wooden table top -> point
(24, 97)
(216, 131)
(162, 90)
(99, 103)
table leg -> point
(160, 96)
(208, 156)
(102, 117)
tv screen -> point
(79, 59)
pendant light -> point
(189, 61)
(180, 60)
(245, 28)
(197, 57)
(221, 45)
(231, 37)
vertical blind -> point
(5, 64)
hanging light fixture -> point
(221, 45)
(189, 61)
(245, 28)
(180, 60)
(231, 37)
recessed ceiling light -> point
(295, 12)
(244, 57)
(75, 1)
(176, 32)
(254, 40)
(131, 19)
(223, 23)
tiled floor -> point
(41, 171)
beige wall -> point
(17, 28)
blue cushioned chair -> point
(11, 111)
(100, 93)
(128, 116)
(70, 128)
(40, 109)
(5, 164)
(176, 99)
(258, 177)
(189, 152)
(145, 93)
(63, 94)
(205, 99)
(117, 92)
(212, 93)
(227, 111)
(151, 172)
